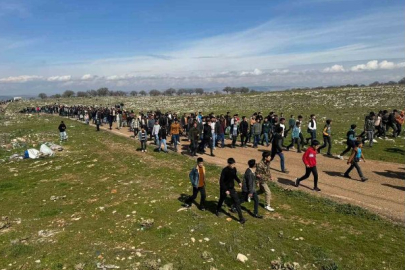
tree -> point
(402, 81)
(227, 89)
(133, 93)
(68, 94)
(92, 93)
(169, 92)
(102, 92)
(199, 91)
(189, 91)
(142, 93)
(154, 93)
(391, 83)
(82, 94)
(57, 96)
(244, 90)
(376, 83)
(217, 92)
(181, 92)
(42, 96)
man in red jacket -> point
(309, 159)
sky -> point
(52, 46)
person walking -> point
(227, 187)
(277, 148)
(257, 131)
(295, 135)
(354, 159)
(207, 138)
(143, 137)
(234, 132)
(266, 131)
(62, 131)
(312, 128)
(197, 179)
(327, 141)
(351, 140)
(309, 159)
(162, 139)
(369, 128)
(244, 130)
(175, 129)
(194, 135)
(263, 175)
(248, 187)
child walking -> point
(354, 159)
(309, 159)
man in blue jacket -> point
(197, 179)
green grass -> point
(110, 188)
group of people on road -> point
(210, 131)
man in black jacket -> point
(62, 131)
(244, 130)
(276, 148)
(207, 137)
(248, 187)
(227, 187)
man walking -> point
(309, 159)
(62, 131)
(263, 174)
(248, 187)
(197, 179)
(227, 187)
(276, 148)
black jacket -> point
(228, 175)
(162, 134)
(207, 133)
(244, 127)
(249, 180)
(62, 128)
(276, 144)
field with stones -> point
(100, 204)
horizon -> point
(55, 46)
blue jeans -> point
(176, 139)
(221, 138)
(157, 139)
(214, 137)
(281, 155)
(164, 144)
(256, 140)
(266, 138)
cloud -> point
(374, 65)
(59, 78)
(87, 77)
(334, 69)
(21, 79)
(255, 72)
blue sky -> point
(51, 46)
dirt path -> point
(383, 193)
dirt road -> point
(383, 193)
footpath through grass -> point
(121, 208)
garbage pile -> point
(46, 150)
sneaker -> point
(146, 150)
(364, 179)
(347, 176)
(187, 205)
(242, 221)
(217, 213)
(297, 183)
(249, 199)
(178, 143)
(287, 149)
(268, 208)
(202, 208)
(317, 189)
(329, 154)
(233, 210)
(285, 171)
(143, 151)
(340, 157)
(257, 216)
(299, 151)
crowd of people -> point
(208, 132)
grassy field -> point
(345, 106)
(119, 207)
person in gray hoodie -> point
(257, 131)
(248, 188)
